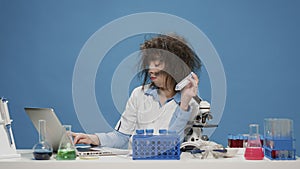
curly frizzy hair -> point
(169, 49)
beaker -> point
(254, 149)
(66, 150)
(42, 150)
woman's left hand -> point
(189, 91)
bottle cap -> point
(149, 131)
(140, 131)
(162, 131)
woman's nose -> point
(154, 72)
(151, 71)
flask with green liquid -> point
(66, 150)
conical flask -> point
(254, 149)
(42, 150)
(66, 150)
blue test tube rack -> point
(280, 148)
(162, 146)
(279, 143)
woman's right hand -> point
(81, 138)
(189, 91)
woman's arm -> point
(179, 120)
(113, 139)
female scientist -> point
(165, 60)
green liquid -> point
(66, 155)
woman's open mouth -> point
(153, 78)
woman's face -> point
(155, 68)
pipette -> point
(6, 118)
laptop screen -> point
(54, 129)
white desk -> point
(122, 161)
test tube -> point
(278, 128)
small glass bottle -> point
(254, 149)
(42, 150)
(66, 150)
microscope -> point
(195, 141)
(194, 129)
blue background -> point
(257, 41)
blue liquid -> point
(43, 155)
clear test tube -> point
(278, 128)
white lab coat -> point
(143, 111)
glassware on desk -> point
(66, 150)
(254, 149)
(42, 150)
(279, 139)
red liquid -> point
(235, 143)
(254, 153)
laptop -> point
(54, 128)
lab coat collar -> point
(152, 91)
